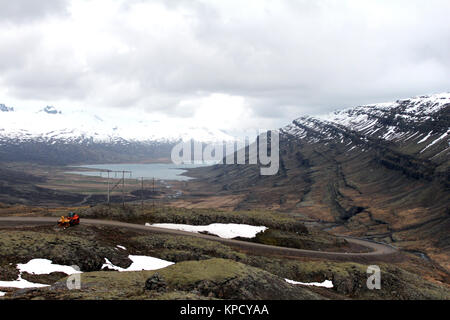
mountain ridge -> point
(57, 136)
(368, 173)
(51, 123)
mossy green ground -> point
(212, 278)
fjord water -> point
(162, 171)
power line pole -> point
(142, 194)
(153, 195)
(121, 181)
(123, 187)
(108, 189)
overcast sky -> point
(230, 64)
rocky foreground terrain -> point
(202, 269)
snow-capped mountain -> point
(418, 126)
(65, 136)
(51, 124)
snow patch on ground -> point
(223, 230)
(140, 263)
(2, 293)
(325, 284)
(121, 247)
(21, 284)
(36, 266)
(45, 266)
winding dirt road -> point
(378, 251)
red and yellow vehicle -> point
(71, 220)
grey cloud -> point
(286, 58)
(24, 11)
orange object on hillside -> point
(71, 220)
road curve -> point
(378, 250)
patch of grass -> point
(188, 273)
(316, 241)
(181, 248)
(131, 213)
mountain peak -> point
(50, 110)
(4, 108)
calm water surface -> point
(162, 171)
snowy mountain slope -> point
(418, 126)
(53, 136)
(52, 125)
